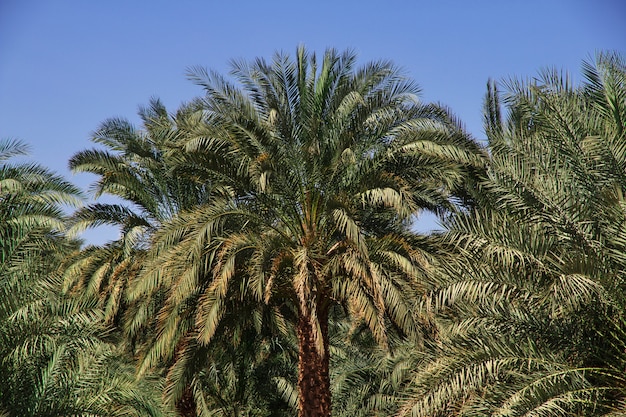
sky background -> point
(66, 66)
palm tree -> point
(136, 169)
(143, 170)
(54, 359)
(30, 221)
(532, 310)
(315, 172)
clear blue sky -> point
(65, 66)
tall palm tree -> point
(142, 168)
(533, 307)
(316, 170)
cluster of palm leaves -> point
(267, 266)
(56, 357)
(531, 304)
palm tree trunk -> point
(186, 406)
(313, 376)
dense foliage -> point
(267, 265)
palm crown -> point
(315, 173)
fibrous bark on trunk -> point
(186, 406)
(313, 377)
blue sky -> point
(66, 66)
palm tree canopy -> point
(53, 356)
(532, 312)
(135, 167)
(316, 171)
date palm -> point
(53, 356)
(533, 311)
(316, 169)
(135, 168)
(143, 168)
